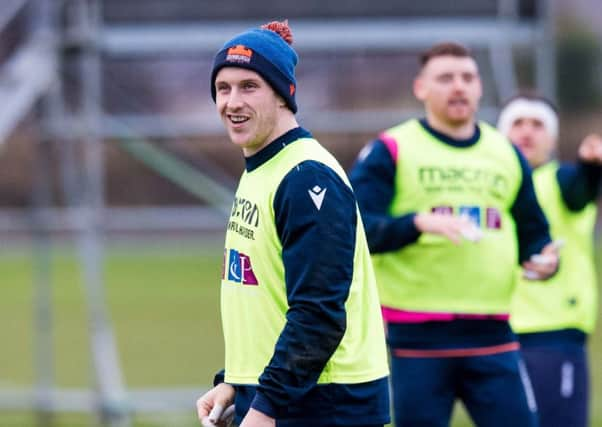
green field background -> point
(164, 306)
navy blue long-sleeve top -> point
(579, 184)
(317, 252)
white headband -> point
(528, 108)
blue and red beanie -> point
(266, 51)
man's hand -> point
(590, 150)
(455, 228)
(544, 265)
(255, 418)
(215, 408)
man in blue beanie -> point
(302, 327)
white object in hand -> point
(228, 414)
(531, 275)
(218, 414)
(542, 259)
(206, 423)
(470, 231)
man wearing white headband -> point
(553, 319)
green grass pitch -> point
(164, 306)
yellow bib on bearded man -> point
(481, 182)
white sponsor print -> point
(317, 195)
(567, 379)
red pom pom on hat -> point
(281, 28)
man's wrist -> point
(262, 404)
(219, 377)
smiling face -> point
(533, 140)
(450, 88)
(248, 107)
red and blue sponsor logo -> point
(492, 220)
(239, 268)
(443, 210)
(472, 212)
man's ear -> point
(281, 101)
(419, 88)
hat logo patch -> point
(239, 53)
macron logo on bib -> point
(317, 195)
